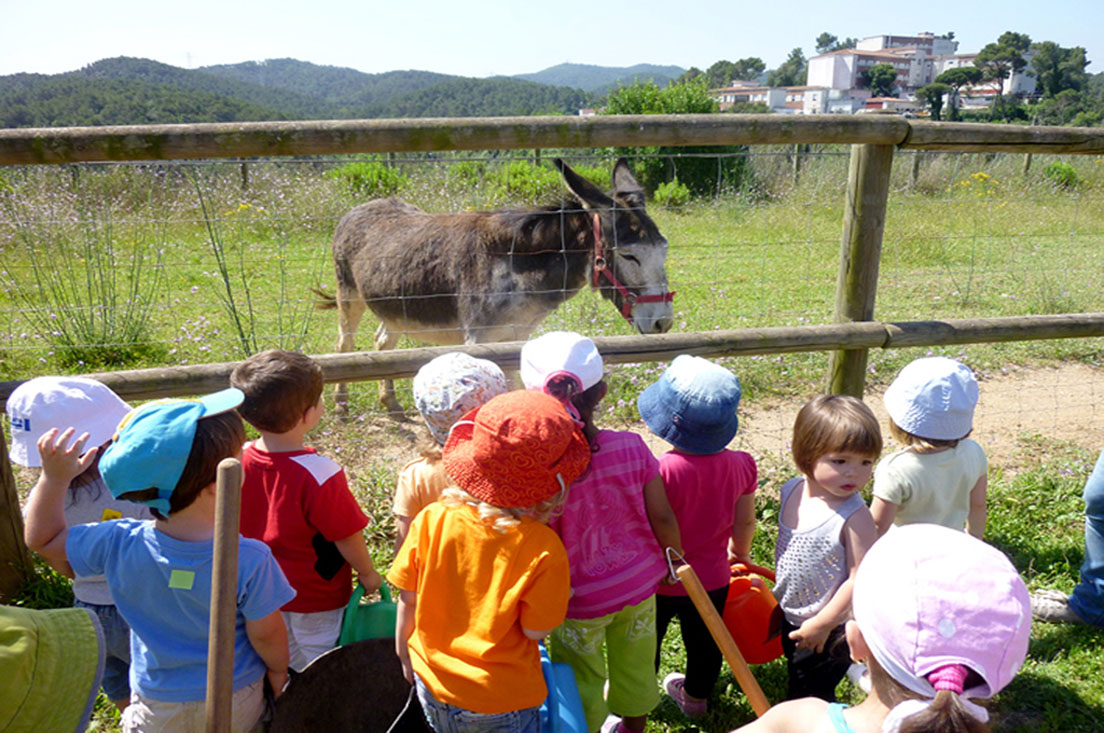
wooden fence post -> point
(863, 224)
(1026, 164)
(15, 559)
(224, 593)
(915, 178)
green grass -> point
(952, 250)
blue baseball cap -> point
(153, 442)
(693, 405)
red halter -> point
(628, 298)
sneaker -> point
(612, 724)
(1052, 606)
(859, 676)
(673, 684)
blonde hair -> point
(945, 713)
(918, 444)
(503, 519)
(834, 423)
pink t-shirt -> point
(703, 491)
(614, 557)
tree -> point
(956, 79)
(702, 169)
(720, 74)
(1000, 60)
(791, 73)
(825, 42)
(933, 95)
(1059, 69)
(880, 79)
(748, 69)
(689, 75)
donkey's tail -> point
(326, 302)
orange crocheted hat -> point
(516, 450)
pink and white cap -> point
(931, 601)
(561, 354)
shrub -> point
(1063, 175)
(672, 194)
(521, 180)
(368, 178)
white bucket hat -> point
(43, 403)
(933, 398)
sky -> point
(481, 38)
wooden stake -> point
(731, 652)
(224, 591)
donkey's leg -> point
(386, 340)
(350, 310)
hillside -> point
(123, 91)
(602, 78)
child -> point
(166, 455)
(483, 579)
(615, 525)
(712, 492)
(298, 502)
(824, 529)
(939, 477)
(56, 403)
(940, 617)
(445, 389)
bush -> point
(672, 194)
(1063, 175)
(368, 178)
(520, 180)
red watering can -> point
(748, 611)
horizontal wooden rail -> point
(179, 381)
(29, 146)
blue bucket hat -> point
(693, 405)
(152, 444)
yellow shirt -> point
(420, 484)
(477, 588)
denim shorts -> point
(445, 718)
(116, 678)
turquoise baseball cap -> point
(152, 444)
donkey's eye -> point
(631, 258)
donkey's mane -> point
(549, 228)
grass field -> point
(172, 249)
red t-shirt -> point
(298, 503)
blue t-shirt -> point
(162, 587)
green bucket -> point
(368, 620)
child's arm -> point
(858, 534)
(743, 530)
(661, 516)
(268, 635)
(884, 512)
(45, 530)
(402, 529)
(355, 551)
(975, 521)
(404, 629)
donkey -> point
(491, 276)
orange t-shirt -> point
(477, 588)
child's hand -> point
(371, 581)
(811, 635)
(277, 680)
(62, 462)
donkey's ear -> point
(588, 194)
(625, 185)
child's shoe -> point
(673, 684)
(612, 724)
(1052, 606)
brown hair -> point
(918, 444)
(834, 423)
(586, 402)
(216, 437)
(279, 386)
(945, 714)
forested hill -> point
(123, 91)
(597, 79)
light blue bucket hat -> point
(693, 405)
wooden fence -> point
(874, 139)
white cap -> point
(560, 353)
(933, 398)
(43, 403)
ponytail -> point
(945, 714)
(579, 402)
